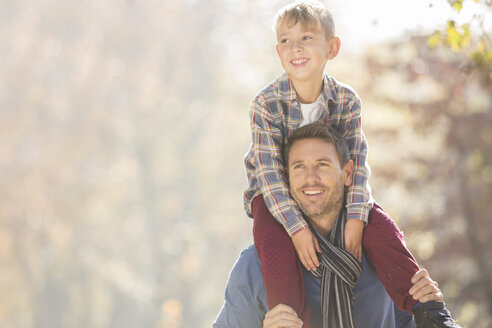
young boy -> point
(305, 94)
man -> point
(342, 292)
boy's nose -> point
(297, 46)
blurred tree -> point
(476, 45)
(450, 167)
(114, 141)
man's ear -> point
(347, 173)
(335, 44)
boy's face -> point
(303, 53)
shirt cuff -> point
(359, 211)
(301, 226)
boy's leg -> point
(281, 269)
(394, 264)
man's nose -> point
(312, 174)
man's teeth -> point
(312, 192)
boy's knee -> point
(380, 227)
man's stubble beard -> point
(333, 202)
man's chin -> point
(311, 211)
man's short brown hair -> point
(318, 131)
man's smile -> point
(313, 192)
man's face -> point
(316, 178)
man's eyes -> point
(320, 164)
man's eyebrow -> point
(296, 162)
(322, 159)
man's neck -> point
(324, 222)
(308, 91)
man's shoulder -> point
(246, 281)
(245, 299)
(247, 268)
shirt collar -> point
(287, 92)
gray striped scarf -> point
(338, 271)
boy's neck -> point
(308, 91)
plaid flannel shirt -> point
(275, 114)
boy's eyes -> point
(303, 38)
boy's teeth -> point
(299, 61)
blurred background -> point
(123, 126)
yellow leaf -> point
(466, 39)
(481, 46)
(434, 40)
(458, 6)
(488, 55)
(453, 38)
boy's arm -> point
(269, 167)
(358, 194)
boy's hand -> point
(306, 246)
(425, 289)
(353, 237)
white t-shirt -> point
(309, 112)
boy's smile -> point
(303, 52)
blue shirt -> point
(245, 300)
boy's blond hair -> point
(311, 14)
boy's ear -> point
(278, 52)
(334, 48)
